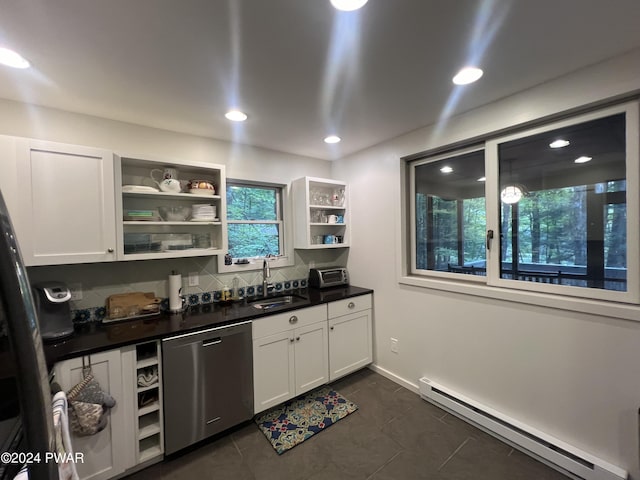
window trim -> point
(286, 259)
(625, 306)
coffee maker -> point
(54, 312)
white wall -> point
(572, 375)
(242, 161)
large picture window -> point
(557, 213)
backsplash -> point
(101, 280)
(97, 314)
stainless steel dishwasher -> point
(207, 383)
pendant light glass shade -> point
(511, 194)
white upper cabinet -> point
(321, 213)
(66, 205)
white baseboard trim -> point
(395, 378)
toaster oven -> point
(328, 277)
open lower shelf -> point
(148, 428)
(146, 362)
(149, 448)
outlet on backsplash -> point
(76, 291)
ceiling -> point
(298, 68)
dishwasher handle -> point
(211, 341)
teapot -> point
(169, 182)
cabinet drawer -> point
(288, 320)
(350, 305)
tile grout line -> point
(454, 453)
(384, 465)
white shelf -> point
(148, 430)
(152, 407)
(149, 453)
(324, 224)
(144, 222)
(327, 207)
(182, 196)
(190, 252)
(146, 362)
(150, 387)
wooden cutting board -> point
(134, 304)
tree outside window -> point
(254, 220)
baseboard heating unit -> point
(555, 453)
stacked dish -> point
(203, 213)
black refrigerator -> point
(26, 420)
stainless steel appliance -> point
(328, 277)
(26, 420)
(54, 312)
(207, 383)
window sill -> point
(255, 264)
(592, 307)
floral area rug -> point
(291, 423)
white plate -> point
(205, 192)
(138, 189)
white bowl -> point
(202, 191)
(174, 214)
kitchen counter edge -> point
(96, 337)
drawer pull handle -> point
(298, 339)
(331, 328)
(293, 319)
(213, 341)
(213, 420)
(351, 305)
(110, 250)
(291, 340)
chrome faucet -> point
(266, 276)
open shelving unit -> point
(314, 200)
(130, 170)
(148, 408)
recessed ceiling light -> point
(12, 59)
(482, 179)
(332, 139)
(559, 143)
(446, 169)
(348, 5)
(582, 159)
(236, 116)
(467, 75)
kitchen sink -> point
(277, 301)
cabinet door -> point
(104, 451)
(350, 346)
(67, 202)
(312, 364)
(273, 370)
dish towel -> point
(148, 377)
(66, 470)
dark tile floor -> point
(393, 435)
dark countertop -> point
(96, 337)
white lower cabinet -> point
(290, 355)
(133, 437)
(350, 339)
(105, 452)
